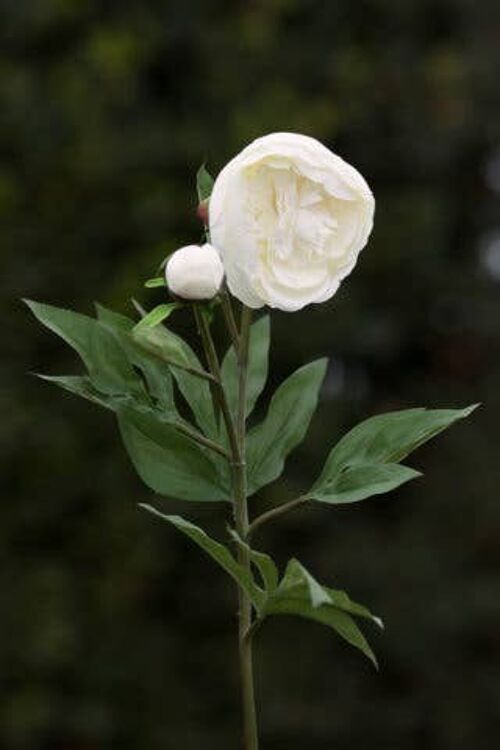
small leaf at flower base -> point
(258, 363)
(156, 316)
(169, 462)
(217, 552)
(204, 183)
(300, 594)
(264, 563)
(365, 461)
(158, 281)
(285, 424)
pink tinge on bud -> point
(202, 212)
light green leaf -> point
(108, 367)
(163, 344)
(355, 483)
(300, 594)
(389, 438)
(365, 461)
(217, 552)
(157, 281)
(285, 425)
(258, 363)
(204, 183)
(296, 575)
(156, 316)
(264, 563)
(169, 462)
(341, 600)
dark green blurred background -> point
(115, 632)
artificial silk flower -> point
(289, 218)
(195, 272)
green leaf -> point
(169, 462)
(108, 367)
(355, 483)
(341, 600)
(296, 575)
(166, 345)
(162, 343)
(264, 563)
(389, 438)
(365, 461)
(342, 623)
(285, 425)
(156, 316)
(217, 552)
(300, 594)
(204, 184)
(158, 281)
(157, 373)
(81, 385)
(258, 363)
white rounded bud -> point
(195, 272)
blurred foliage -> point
(108, 633)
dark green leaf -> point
(204, 184)
(285, 425)
(171, 348)
(217, 552)
(169, 462)
(108, 367)
(81, 385)
(156, 316)
(258, 362)
(157, 373)
(264, 563)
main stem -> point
(236, 435)
(251, 740)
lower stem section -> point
(247, 686)
(250, 732)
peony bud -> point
(202, 212)
(195, 272)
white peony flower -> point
(289, 219)
(195, 272)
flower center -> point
(290, 216)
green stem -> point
(218, 393)
(236, 435)
(251, 741)
(199, 438)
(227, 310)
(274, 513)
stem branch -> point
(274, 513)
